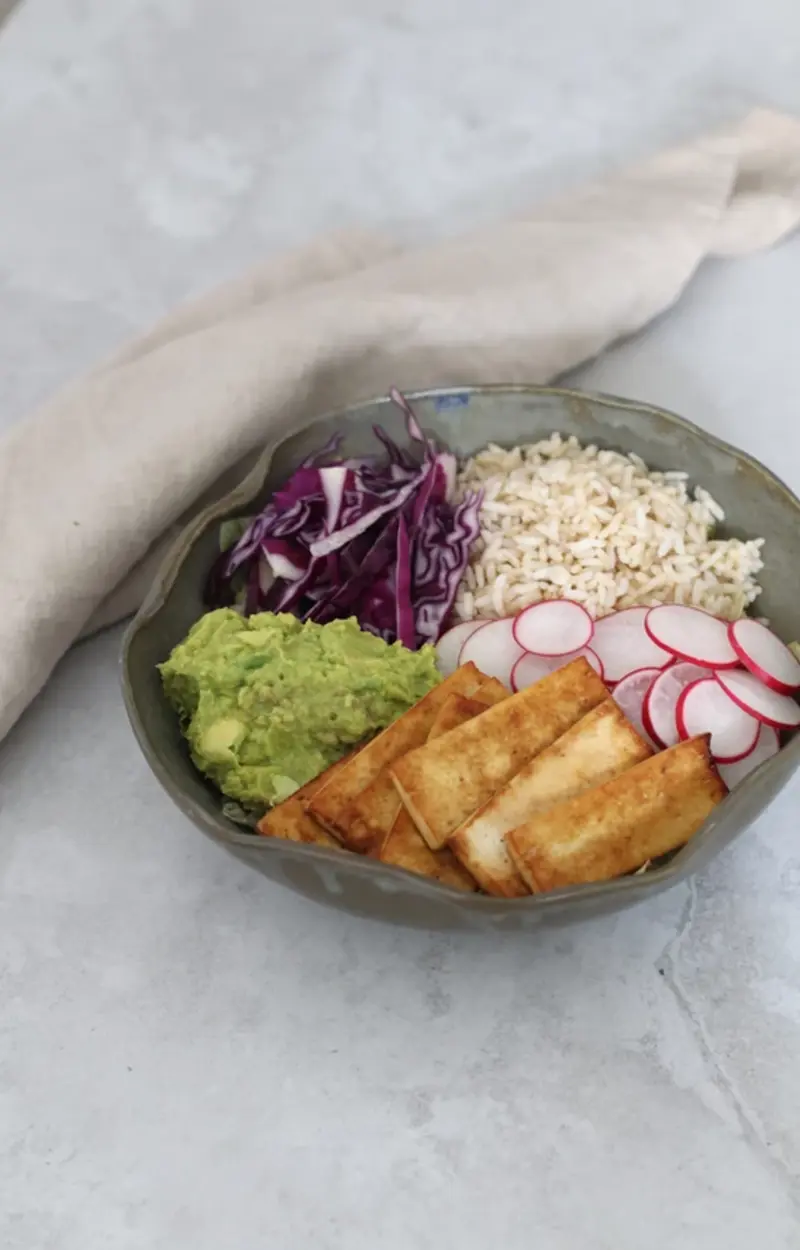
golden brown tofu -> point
(492, 691)
(455, 711)
(332, 806)
(654, 807)
(404, 845)
(376, 808)
(442, 783)
(600, 746)
(290, 820)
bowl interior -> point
(756, 504)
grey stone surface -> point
(190, 1057)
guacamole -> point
(267, 703)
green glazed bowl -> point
(755, 501)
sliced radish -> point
(691, 634)
(658, 713)
(528, 670)
(765, 655)
(448, 648)
(553, 627)
(768, 743)
(624, 646)
(774, 709)
(630, 694)
(492, 649)
(704, 708)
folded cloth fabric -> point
(93, 483)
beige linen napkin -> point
(92, 482)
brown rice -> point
(560, 520)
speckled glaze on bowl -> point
(755, 501)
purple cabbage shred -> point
(381, 539)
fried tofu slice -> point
(651, 809)
(290, 819)
(442, 783)
(600, 746)
(404, 845)
(375, 810)
(457, 710)
(332, 806)
(491, 691)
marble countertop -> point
(189, 1056)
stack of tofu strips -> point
(509, 794)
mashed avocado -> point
(267, 703)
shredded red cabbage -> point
(380, 539)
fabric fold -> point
(92, 482)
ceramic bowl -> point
(755, 501)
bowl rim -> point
(155, 599)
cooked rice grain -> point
(564, 521)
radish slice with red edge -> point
(691, 634)
(704, 708)
(771, 708)
(768, 744)
(623, 645)
(448, 648)
(629, 696)
(658, 713)
(528, 670)
(765, 655)
(554, 627)
(492, 650)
